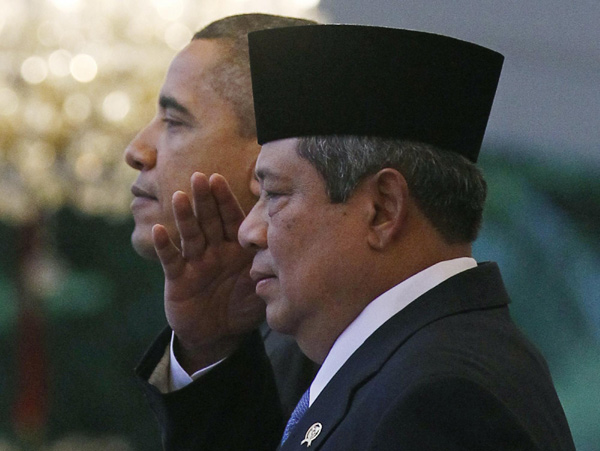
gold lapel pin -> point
(312, 433)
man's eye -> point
(272, 194)
(275, 201)
(172, 123)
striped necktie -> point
(297, 414)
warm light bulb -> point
(116, 106)
(169, 9)
(59, 62)
(83, 68)
(66, 5)
(81, 76)
(39, 115)
(34, 70)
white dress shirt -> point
(378, 312)
(179, 377)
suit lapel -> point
(478, 288)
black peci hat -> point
(372, 81)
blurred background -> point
(78, 307)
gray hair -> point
(448, 188)
(230, 78)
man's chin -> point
(277, 320)
(143, 247)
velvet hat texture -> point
(372, 81)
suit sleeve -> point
(450, 415)
(233, 407)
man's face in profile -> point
(194, 130)
(307, 247)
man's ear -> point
(389, 192)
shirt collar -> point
(381, 309)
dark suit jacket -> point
(449, 372)
(182, 426)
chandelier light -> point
(78, 78)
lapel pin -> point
(312, 433)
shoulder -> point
(450, 413)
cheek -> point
(176, 166)
(303, 254)
(321, 258)
(287, 243)
(169, 182)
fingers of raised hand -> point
(207, 211)
(192, 237)
(230, 211)
(168, 254)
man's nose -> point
(252, 234)
(140, 154)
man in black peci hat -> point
(369, 202)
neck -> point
(398, 267)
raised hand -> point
(210, 301)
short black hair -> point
(231, 76)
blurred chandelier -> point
(78, 78)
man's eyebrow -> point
(262, 173)
(167, 102)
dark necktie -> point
(297, 414)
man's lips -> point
(140, 192)
(142, 199)
(258, 275)
(263, 279)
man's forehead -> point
(197, 58)
(187, 87)
(192, 67)
(275, 158)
